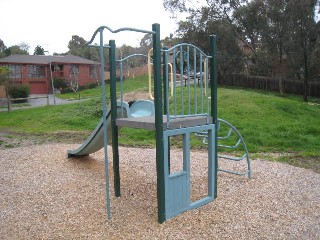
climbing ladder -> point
(234, 141)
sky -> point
(51, 24)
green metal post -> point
(113, 95)
(158, 123)
(105, 134)
(165, 94)
(165, 79)
(214, 111)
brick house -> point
(34, 70)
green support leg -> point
(113, 92)
(159, 123)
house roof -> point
(43, 59)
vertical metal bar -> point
(121, 88)
(113, 92)
(214, 85)
(166, 98)
(211, 164)
(181, 80)
(186, 161)
(105, 134)
(195, 79)
(165, 81)
(174, 83)
(207, 85)
(159, 123)
(201, 83)
(188, 76)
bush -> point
(19, 91)
(60, 83)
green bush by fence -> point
(19, 91)
(270, 84)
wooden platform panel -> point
(148, 123)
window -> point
(73, 70)
(36, 71)
(93, 70)
(15, 71)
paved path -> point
(40, 100)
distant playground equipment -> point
(182, 110)
(150, 64)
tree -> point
(77, 46)
(198, 27)
(38, 50)
(282, 35)
(4, 81)
(304, 32)
(15, 49)
(2, 49)
(74, 77)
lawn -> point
(274, 127)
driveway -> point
(39, 100)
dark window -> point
(93, 71)
(36, 71)
(15, 71)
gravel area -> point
(44, 195)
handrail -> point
(189, 99)
(116, 31)
(150, 73)
(240, 141)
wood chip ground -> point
(44, 195)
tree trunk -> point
(281, 86)
(8, 97)
(306, 78)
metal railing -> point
(191, 96)
(232, 136)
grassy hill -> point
(279, 128)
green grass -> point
(138, 83)
(269, 123)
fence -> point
(270, 84)
(8, 102)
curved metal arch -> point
(241, 141)
(132, 55)
(186, 44)
(101, 28)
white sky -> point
(51, 24)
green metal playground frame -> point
(173, 193)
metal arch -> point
(132, 55)
(120, 61)
(240, 140)
(189, 45)
(204, 135)
(101, 28)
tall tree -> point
(15, 49)
(4, 81)
(77, 46)
(199, 26)
(304, 32)
(38, 50)
(2, 49)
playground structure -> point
(182, 110)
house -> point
(34, 70)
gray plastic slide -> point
(94, 142)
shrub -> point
(60, 83)
(19, 91)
